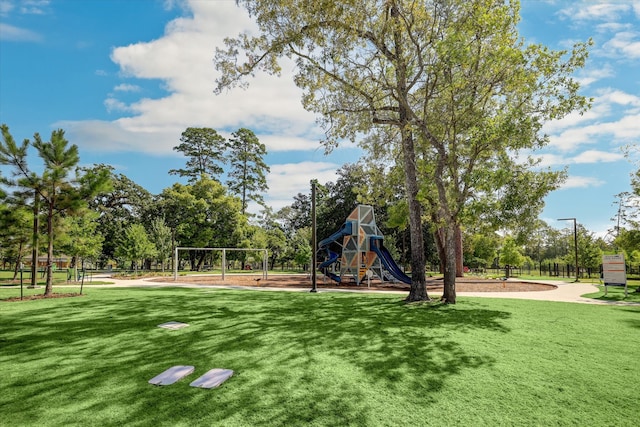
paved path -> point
(564, 292)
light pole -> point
(314, 238)
(575, 242)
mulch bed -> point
(464, 284)
(42, 296)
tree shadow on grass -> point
(298, 358)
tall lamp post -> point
(575, 242)
(314, 238)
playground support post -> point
(575, 243)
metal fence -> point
(556, 270)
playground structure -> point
(363, 254)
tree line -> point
(95, 214)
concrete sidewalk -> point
(564, 292)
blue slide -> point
(388, 262)
(331, 256)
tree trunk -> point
(459, 252)
(74, 263)
(201, 261)
(49, 286)
(34, 239)
(439, 238)
(448, 228)
(449, 294)
(18, 262)
(418, 290)
(192, 260)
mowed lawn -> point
(326, 359)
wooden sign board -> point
(614, 272)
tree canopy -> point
(60, 193)
(454, 91)
(248, 174)
(204, 149)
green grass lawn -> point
(616, 293)
(326, 359)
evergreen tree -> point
(58, 192)
(248, 174)
(205, 150)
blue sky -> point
(125, 78)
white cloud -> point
(612, 27)
(581, 182)
(616, 96)
(597, 156)
(182, 59)
(625, 44)
(12, 33)
(34, 7)
(112, 105)
(124, 87)
(585, 157)
(287, 180)
(6, 6)
(548, 159)
(114, 136)
(595, 12)
(615, 115)
(288, 143)
(625, 130)
(588, 77)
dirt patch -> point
(41, 296)
(302, 281)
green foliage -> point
(80, 238)
(204, 149)
(510, 253)
(161, 237)
(135, 246)
(480, 250)
(248, 174)
(336, 200)
(300, 250)
(275, 237)
(54, 190)
(202, 215)
(15, 231)
(125, 204)
(296, 216)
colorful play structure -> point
(363, 254)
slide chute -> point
(331, 256)
(385, 257)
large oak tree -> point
(454, 89)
